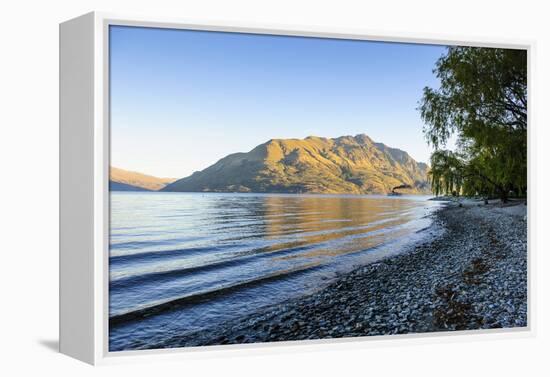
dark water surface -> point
(181, 262)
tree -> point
(446, 172)
(482, 99)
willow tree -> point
(446, 172)
(482, 99)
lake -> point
(189, 261)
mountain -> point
(117, 186)
(347, 164)
(124, 180)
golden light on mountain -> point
(124, 180)
(347, 164)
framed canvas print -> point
(224, 185)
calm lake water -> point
(221, 256)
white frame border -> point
(102, 21)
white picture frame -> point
(84, 199)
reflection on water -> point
(192, 260)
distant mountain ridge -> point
(125, 180)
(347, 164)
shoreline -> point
(471, 276)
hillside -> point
(347, 164)
(117, 186)
(124, 180)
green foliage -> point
(483, 100)
(446, 172)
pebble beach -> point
(472, 275)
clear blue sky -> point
(181, 100)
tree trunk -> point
(504, 195)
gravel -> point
(471, 276)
